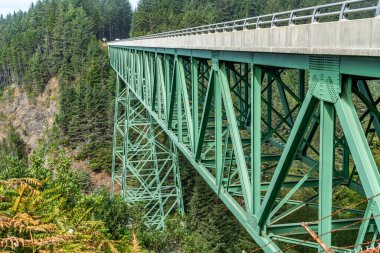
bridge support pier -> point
(145, 162)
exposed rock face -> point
(31, 117)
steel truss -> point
(145, 164)
(261, 135)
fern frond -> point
(83, 216)
(46, 228)
(58, 239)
(112, 247)
(17, 201)
(5, 205)
(107, 243)
(135, 244)
(32, 182)
(12, 242)
(4, 222)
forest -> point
(46, 205)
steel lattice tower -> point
(145, 162)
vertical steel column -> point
(218, 131)
(301, 84)
(194, 89)
(246, 92)
(120, 139)
(167, 84)
(177, 178)
(256, 136)
(116, 113)
(125, 142)
(326, 167)
(178, 85)
(269, 105)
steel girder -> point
(260, 135)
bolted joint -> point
(324, 77)
(253, 222)
(215, 60)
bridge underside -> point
(274, 135)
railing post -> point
(245, 25)
(273, 23)
(345, 6)
(258, 23)
(292, 14)
(314, 16)
(378, 9)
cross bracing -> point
(310, 136)
(145, 166)
(274, 135)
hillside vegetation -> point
(154, 16)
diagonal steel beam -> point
(360, 150)
(287, 157)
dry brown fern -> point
(12, 242)
(112, 247)
(135, 243)
(57, 239)
(110, 244)
(25, 218)
(45, 228)
(4, 222)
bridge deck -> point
(359, 37)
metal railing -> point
(332, 11)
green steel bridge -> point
(276, 113)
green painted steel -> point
(261, 129)
(326, 167)
(145, 166)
